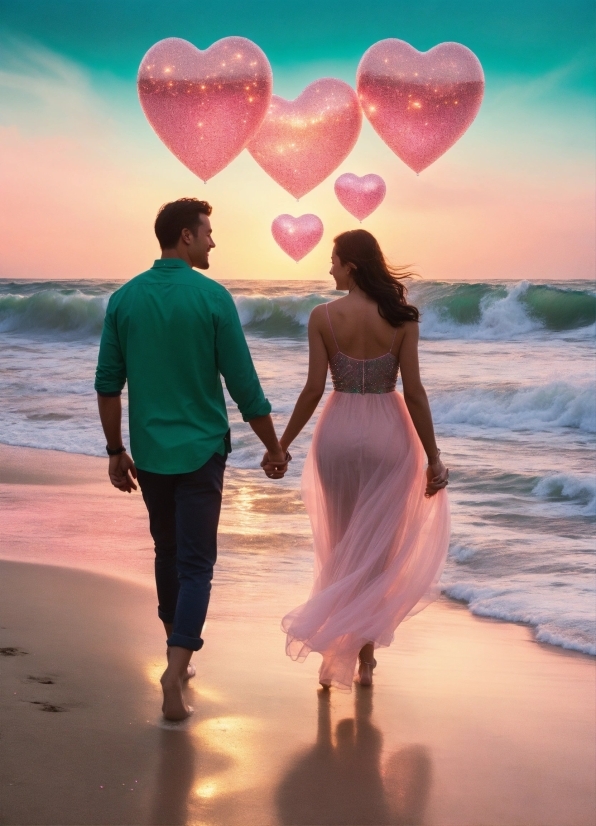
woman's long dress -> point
(379, 543)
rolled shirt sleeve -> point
(110, 375)
(235, 363)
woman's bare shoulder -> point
(318, 316)
(411, 329)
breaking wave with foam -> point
(481, 311)
(557, 404)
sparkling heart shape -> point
(420, 103)
(205, 105)
(302, 141)
(297, 236)
(360, 196)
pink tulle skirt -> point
(379, 544)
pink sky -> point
(83, 175)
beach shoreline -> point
(44, 480)
(470, 720)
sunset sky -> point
(82, 173)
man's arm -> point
(236, 366)
(121, 469)
(110, 378)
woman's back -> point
(354, 327)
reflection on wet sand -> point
(175, 775)
(347, 782)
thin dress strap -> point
(393, 342)
(331, 328)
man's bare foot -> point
(191, 671)
(174, 708)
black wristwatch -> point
(116, 452)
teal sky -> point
(510, 37)
(514, 198)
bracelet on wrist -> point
(116, 451)
(435, 458)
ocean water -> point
(509, 368)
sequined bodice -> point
(364, 375)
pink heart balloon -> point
(205, 105)
(360, 196)
(420, 103)
(302, 141)
(297, 236)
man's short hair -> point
(172, 218)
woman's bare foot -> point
(367, 664)
(365, 672)
(174, 708)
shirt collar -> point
(170, 264)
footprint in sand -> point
(47, 706)
(42, 680)
(12, 652)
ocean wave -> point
(482, 311)
(557, 404)
(278, 316)
(53, 312)
(570, 494)
(545, 609)
(497, 312)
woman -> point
(380, 523)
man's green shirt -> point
(171, 332)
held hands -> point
(437, 477)
(122, 472)
(275, 464)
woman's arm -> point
(315, 383)
(419, 409)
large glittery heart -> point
(420, 103)
(297, 236)
(302, 141)
(205, 105)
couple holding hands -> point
(373, 482)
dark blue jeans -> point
(184, 513)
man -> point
(170, 332)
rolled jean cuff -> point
(166, 617)
(192, 643)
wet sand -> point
(470, 722)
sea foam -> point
(555, 617)
(554, 405)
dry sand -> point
(469, 722)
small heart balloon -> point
(302, 141)
(420, 103)
(360, 196)
(205, 105)
(297, 236)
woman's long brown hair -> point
(375, 276)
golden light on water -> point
(234, 738)
(207, 790)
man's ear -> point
(186, 236)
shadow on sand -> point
(346, 783)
